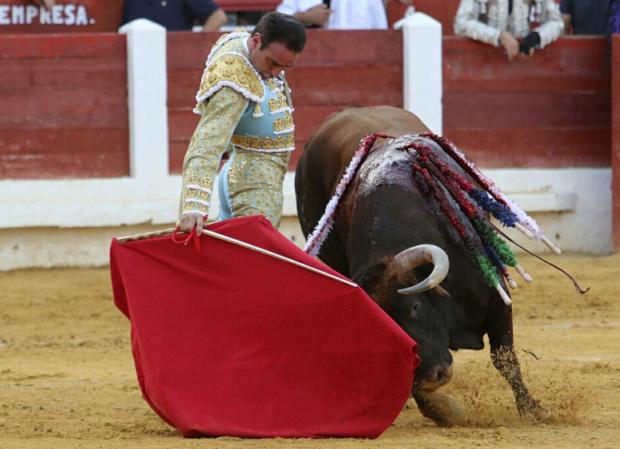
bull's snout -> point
(438, 376)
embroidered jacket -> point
(238, 110)
(484, 20)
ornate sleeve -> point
(220, 116)
(466, 23)
(552, 25)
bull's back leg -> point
(500, 332)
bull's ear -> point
(371, 279)
(442, 291)
(397, 278)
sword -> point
(243, 244)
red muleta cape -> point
(228, 341)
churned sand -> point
(67, 378)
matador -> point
(245, 106)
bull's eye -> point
(414, 309)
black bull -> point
(381, 215)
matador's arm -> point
(220, 116)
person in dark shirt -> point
(585, 16)
(614, 17)
(176, 15)
(45, 3)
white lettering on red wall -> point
(62, 15)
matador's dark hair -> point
(283, 28)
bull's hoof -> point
(442, 409)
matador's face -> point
(272, 59)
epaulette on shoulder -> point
(231, 69)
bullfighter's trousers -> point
(250, 183)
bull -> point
(389, 237)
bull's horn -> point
(415, 256)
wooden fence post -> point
(615, 140)
(147, 87)
(422, 73)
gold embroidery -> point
(190, 194)
(283, 124)
(278, 103)
(258, 111)
(221, 39)
(233, 71)
(255, 184)
(194, 201)
(264, 143)
(197, 180)
(272, 84)
(197, 194)
(237, 33)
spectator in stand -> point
(249, 18)
(176, 15)
(339, 14)
(519, 26)
(585, 16)
(46, 3)
(614, 17)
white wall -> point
(75, 220)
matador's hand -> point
(190, 220)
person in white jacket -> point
(519, 26)
(339, 14)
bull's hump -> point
(385, 167)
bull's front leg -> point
(505, 360)
(442, 409)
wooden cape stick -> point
(244, 245)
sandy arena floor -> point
(67, 378)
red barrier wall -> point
(187, 53)
(329, 76)
(551, 111)
(63, 106)
(615, 149)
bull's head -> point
(421, 310)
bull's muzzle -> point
(437, 377)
